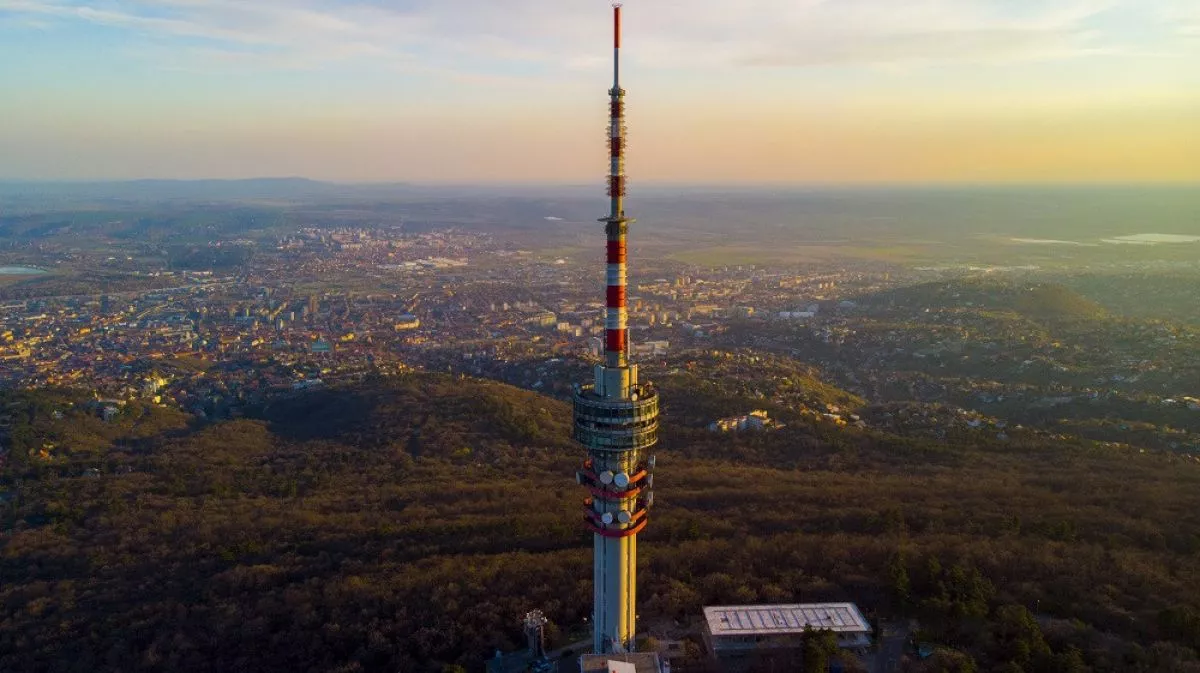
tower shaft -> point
(616, 419)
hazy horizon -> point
(1181, 183)
(465, 91)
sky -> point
(732, 91)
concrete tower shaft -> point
(616, 419)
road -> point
(892, 640)
(571, 663)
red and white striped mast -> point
(616, 341)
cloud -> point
(1184, 16)
(485, 36)
(881, 32)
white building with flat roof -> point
(634, 662)
(735, 630)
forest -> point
(405, 524)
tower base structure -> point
(616, 419)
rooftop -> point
(643, 662)
(741, 620)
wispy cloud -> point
(880, 32)
(559, 35)
(1184, 15)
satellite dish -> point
(606, 477)
(623, 516)
(607, 517)
(621, 480)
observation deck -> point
(614, 424)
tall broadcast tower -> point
(616, 420)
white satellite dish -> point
(606, 477)
(607, 517)
(621, 480)
(623, 516)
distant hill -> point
(174, 211)
(364, 194)
(1055, 302)
(192, 190)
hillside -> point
(1055, 302)
(428, 417)
(404, 524)
(721, 383)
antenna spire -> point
(616, 25)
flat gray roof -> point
(749, 620)
(643, 662)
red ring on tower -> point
(614, 340)
(616, 252)
(616, 296)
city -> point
(358, 301)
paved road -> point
(891, 648)
(571, 663)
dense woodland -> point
(406, 524)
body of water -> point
(1153, 239)
(20, 271)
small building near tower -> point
(734, 631)
(634, 662)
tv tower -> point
(616, 419)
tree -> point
(819, 649)
(1070, 661)
(1180, 623)
(899, 582)
(950, 661)
(1019, 638)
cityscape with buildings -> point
(213, 343)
